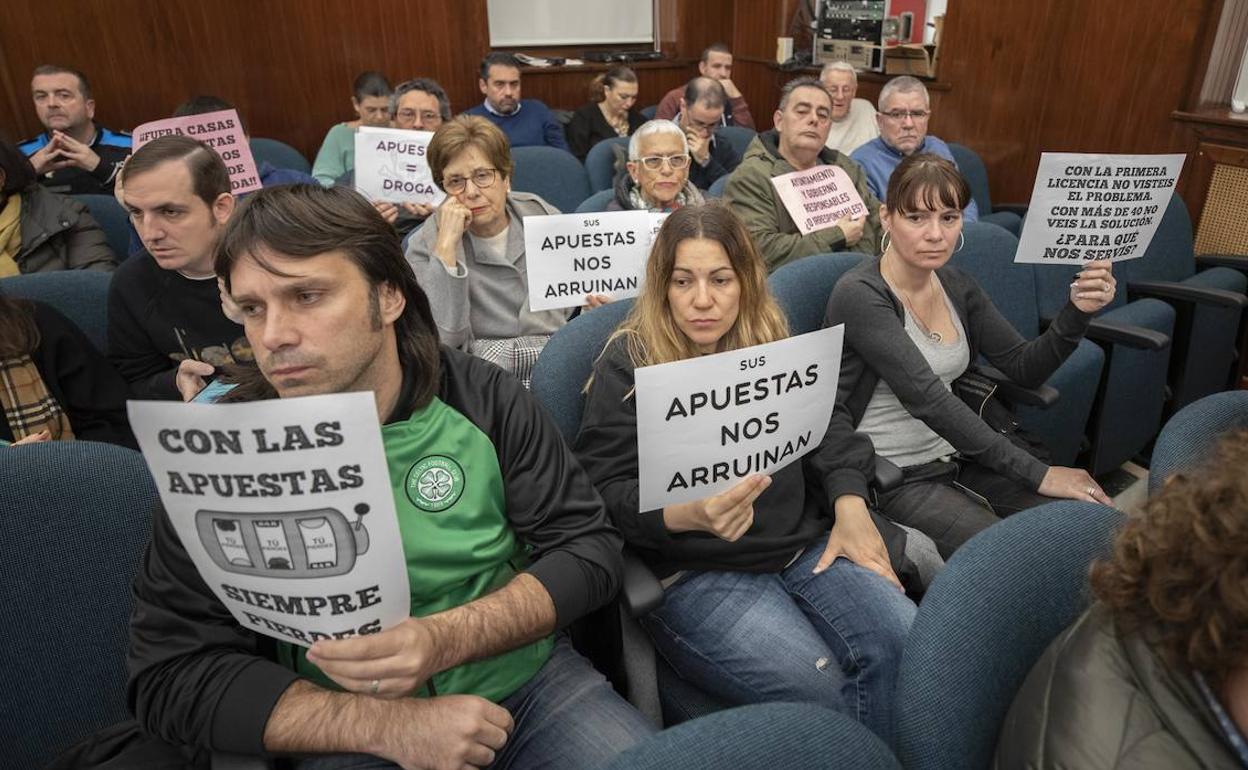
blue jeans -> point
(834, 639)
(566, 718)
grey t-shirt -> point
(899, 437)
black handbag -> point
(979, 392)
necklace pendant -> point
(935, 336)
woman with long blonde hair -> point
(774, 589)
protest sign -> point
(222, 131)
(1086, 207)
(286, 509)
(571, 255)
(819, 197)
(706, 423)
(391, 165)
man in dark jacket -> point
(477, 674)
(73, 155)
(701, 111)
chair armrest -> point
(1169, 290)
(1042, 397)
(1235, 261)
(1016, 208)
(641, 592)
(223, 761)
(1100, 330)
(887, 475)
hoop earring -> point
(886, 240)
(961, 242)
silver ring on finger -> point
(374, 686)
(1091, 491)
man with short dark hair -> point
(73, 155)
(269, 174)
(526, 122)
(797, 144)
(716, 63)
(701, 112)
(167, 331)
(478, 675)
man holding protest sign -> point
(779, 586)
(167, 330)
(835, 209)
(505, 540)
(905, 110)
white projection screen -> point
(517, 23)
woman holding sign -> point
(776, 590)
(913, 325)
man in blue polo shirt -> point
(73, 155)
(903, 117)
(524, 121)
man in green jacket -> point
(796, 143)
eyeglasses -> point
(900, 115)
(426, 116)
(481, 177)
(655, 162)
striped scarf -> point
(28, 406)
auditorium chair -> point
(112, 219)
(989, 615)
(1189, 436)
(596, 202)
(648, 112)
(716, 189)
(738, 136)
(79, 295)
(556, 175)
(1009, 216)
(1059, 422)
(600, 162)
(79, 514)
(279, 154)
(765, 736)
(1209, 305)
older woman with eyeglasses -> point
(657, 176)
(469, 256)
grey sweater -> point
(877, 347)
(485, 298)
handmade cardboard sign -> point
(571, 255)
(819, 197)
(706, 423)
(222, 131)
(391, 165)
(286, 508)
(1086, 207)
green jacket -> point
(753, 198)
(1095, 701)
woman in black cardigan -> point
(608, 114)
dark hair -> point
(19, 335)
(307, 220)
(427, 86)
(715, 48)
(804, 81)
(370, 84)
(18, 173)
(599, 85)
(709, 91)
(204, 104)
(84, 86)
(1178, 573)
(209, 177)
(924, 180)
(500, 59)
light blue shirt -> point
(878, 160)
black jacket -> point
(794, 511)
(198, 678)
(722, 160)
(877, 346)
(588, 127)
(58, 233)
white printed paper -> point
(391, 164)
(1086, 207)
(285, 507)
(706, 423)
(819, 197)
(571, 255)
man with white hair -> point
(853, 120)
(904, 113)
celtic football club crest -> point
(434, 483)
